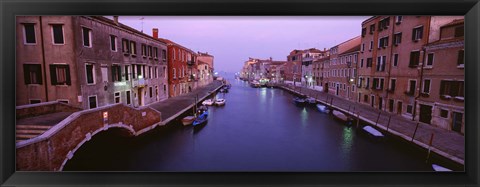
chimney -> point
(155, 33)
(115, 19)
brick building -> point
(392, 55)
(87, 61)
(205, 68)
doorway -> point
(140, 96)
(338, 87)
(457, 122)
(425, 113)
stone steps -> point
(25, 132)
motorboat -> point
(208, 102)
(255, 84)
(299, 101)
(322, 108)
(373, 132)
(220, 102)
(342, 117)
(311, 100)
(439, 168)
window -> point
(372, 28)
(452, 88)
(371, 45)
(149, 72)
(90, 73)
(364, 32)
(92, 102)
(174, 73)
(128, 97)
(414, 59)
(133, 48)
(409, 109)
(383, 24)
(29, 33)
(369, 62)
(173, 54)
(150, 51)
(113, 43)
(32, 73)
(430, 59)
(116, 96)
(381, 63)
(378, 83)
(125, 47)
(426, 86)
(164, 89)
(104, 70)
(35, 101)
(87, 37)
(459, 31)
(127, 72)
(139, 71)
(444, 113)
(397, 38)
(164, 55)
(417, 33)
(156, 72)
(151, 91)
(412, 85)
(361, 63)
(363, 47)
(367, 84)
(383, 42)
(155, 53)
(60, 74)
(116, 73)
(398, 19)
(144, 50)
(392, 84)
(395, 60)
(460, 59)
(57, 31)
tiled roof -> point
(455, 22)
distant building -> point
(88, 62)
(205, 68)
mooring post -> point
(429, 147)
(414, 132)
(348, 111)
(388, 125)
(358, 118)
(331, 102)
(378, 117)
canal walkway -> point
(446, 143)
(173, 107)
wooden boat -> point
(208, 102)
(373, 132)
(342, 117)
(299, 101)
(322, 108)
(439, 168)
(201, 119)
(188, 120)
(220, 102)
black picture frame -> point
(10, 9)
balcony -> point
(190, 62)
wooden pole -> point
(388, 125)
(378, 117)
(358, 118)
(414, 132)
(348, 111)
(429, 146)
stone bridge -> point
(53, 148)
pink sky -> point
(232, 39)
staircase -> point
(25, 132)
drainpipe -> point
(421, 69)
(43, 60)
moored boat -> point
(342, 117)
(373, 132)
(188, 120)
(311, 100)
(299, 101)
(201, 119)
(322, 108)
(255, 84)
(439, 168)
(220, 102)
(208, 102)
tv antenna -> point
(142, 18)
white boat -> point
(439, 168)
(220, 102)
(208, 102)
(188, 120)
(322, 108)
(342, 117)
(374, 132)
(311, 100)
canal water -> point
(259, 129)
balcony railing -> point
(139, 82)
